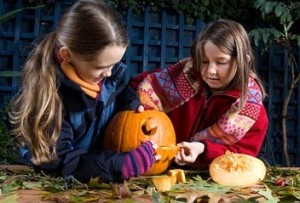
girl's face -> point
(217, 68)
(94, 71)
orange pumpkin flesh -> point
(129, 129)
(165, 182)
(237, 169)
(179, 174)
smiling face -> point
(217, 68)
(94, 71)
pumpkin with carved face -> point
(129, 129)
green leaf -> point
(278, 10)
(199, 184)
(285, 17)
(298, 40)
(32, 185)
(296, 179)
(10, 73)
(276, 33)
(259, 3)
(266, 37)
(155, 196)
(256, 36)
(268, 7)
(10, 198)
(265, 34)
(95, 183)
(205, 2)
(9, 187)
(268, 195)
(6, 16)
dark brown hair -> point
(232, 39)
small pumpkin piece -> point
(235, 169)
(165, 182)
(162, 183)
(173, 175)
(179, 173)
(167, 152)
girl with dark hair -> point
(214, 98)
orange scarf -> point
(91, 90)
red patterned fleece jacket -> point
(197, 115)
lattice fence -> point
(157, 40)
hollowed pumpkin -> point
(235, 169)
(129, 129)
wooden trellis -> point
(157, 40)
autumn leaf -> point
(9, 187)
(268, 195)
(198, 187)
(9, 198)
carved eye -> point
(149, 127)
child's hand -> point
(188, 153)
(155, 146)
(140, 160)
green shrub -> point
(8, 144)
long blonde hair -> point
(232, 39)
(37, 110)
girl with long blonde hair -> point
(73, 82)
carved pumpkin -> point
(235, 169)
(129, 129)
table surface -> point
(21, 184)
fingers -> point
(183, 144)
(180, 157)
(179, 162)
(140, 108)
(187, 154)
(157, 157)
(155, 146)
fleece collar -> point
(91, 90)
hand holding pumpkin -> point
(139, 160)
(155, 147)
(188, 153)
